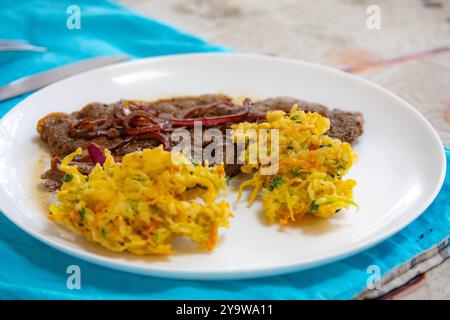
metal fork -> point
(19, 45)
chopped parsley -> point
(326, 145)
(82, 212)
(338, 170)
(134, 207)
(228, 179)
(275, 182)
(198, 185)
(295, 118)
(67, 177)
(103, 232)
(314, 206)
(155, 209)
(295, 172)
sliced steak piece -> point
(54, 128)
(345, 126)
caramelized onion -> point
(150, 118)
(161, 137)
(150, 128)
(88, 123)
(200, 111)
(121, 109)
(211, 121)
(125, 107)
(91, 128)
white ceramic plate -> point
(400, 171)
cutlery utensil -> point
(39, 80)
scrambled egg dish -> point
(143, 203)
(311, 167)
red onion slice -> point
(96, 154)
(89, 128)
(200, 111)
(151, 128)
(211, 121)
(161, 137)
(129, 119)
(121, 109)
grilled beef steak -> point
(64, 133)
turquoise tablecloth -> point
(30, 269)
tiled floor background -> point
(409, 55)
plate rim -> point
(251, 272)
